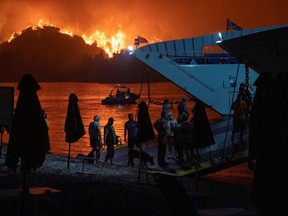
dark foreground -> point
(116, 190)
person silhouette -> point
(166, 107)
(110, 139)
(182, 106)
(268, 135)
(131, 128)
(240, 109)
(95, 137)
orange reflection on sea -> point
(54, 99)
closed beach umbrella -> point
(203, 132)
(29, 139)
(145, 128)
(74, 127)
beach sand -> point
(104, 189)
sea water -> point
(54, 99)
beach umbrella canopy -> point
(29, 139)
(74, 127)
(203, 132)
(145, 128)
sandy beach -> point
(104, 189)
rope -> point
(148, 86)
(246, 77)
(141, 86)
(161, 103)
(227, 128)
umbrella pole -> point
(139, 171)
(25, 192)
(69, 155)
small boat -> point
(121, 95)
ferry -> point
(211, 68)
(200, 66)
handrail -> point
(206, 59)
(193, 77)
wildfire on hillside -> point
(111, 45)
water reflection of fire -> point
(111, 45)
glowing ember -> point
(111, 45)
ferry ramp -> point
(223, 154)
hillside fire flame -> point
(111, 45)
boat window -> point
(213, 50)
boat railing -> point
(215, 57)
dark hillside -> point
(53, 56)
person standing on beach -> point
(182, 106)
(110, 139)
(131, 126)
(166, 107)
(46, 119)
(95, 137)
(172, 124)
(161, 126)
(177, 140)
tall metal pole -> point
(69, 155)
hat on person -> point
(111, 119)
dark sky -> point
(152, 19)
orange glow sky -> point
(152, 19)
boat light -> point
(130, 49)
(220, 36)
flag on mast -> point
(140, 40)
(233, 26)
